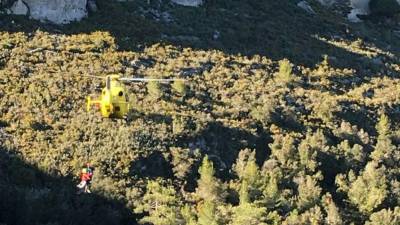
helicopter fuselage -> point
(113, 101)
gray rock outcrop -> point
(360, 7)
(193, 3)
(373, 7)
(19, 8)
(327, 3)
(306, 7)
(55, 11)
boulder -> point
(353, 15)
(327, 3)
(360, 7)
(19, 8)
(193, 3)
(306, 6)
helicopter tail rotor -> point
(92, 76)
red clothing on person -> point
(86, 177)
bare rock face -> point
(328, 3)
(360, 7)
(55, 11)
(373, 7)
(306, 6)
(193, 3)
(19, 8)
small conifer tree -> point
(285, 75)
(207, 213)
(161, 203)
(154, 89)
(369, 190)
(209, 188)
(179, 87)
(384, 150)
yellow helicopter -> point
(113, 101)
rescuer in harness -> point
(86, 178)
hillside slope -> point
(286, 117)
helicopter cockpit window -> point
(120, 93)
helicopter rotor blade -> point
(125, 79)
(92, 76)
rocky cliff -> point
(65, 11)
(55, 11)
(188, 2)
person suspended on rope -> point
(86, 176)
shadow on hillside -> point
(277, 29)
(222, 144)
(358, 114)
(29, 196)
(153, 166)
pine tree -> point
(211, 193)
(333, 216)
(284, 151)
(285, 74)
(309, 148)
(312, 216)
(208, 214)
(354, 156)
(383, 127)
(369, 190)
(246, 167)
(308, 192)
(179, 87)
(247, 212)
(385, 217)
(189, 217)
(244, 193)
(384, 150)
(271, 175)
(154, 89)
(307, 156)
(270, 192)
(161, 203)
(182, 161)
(209, 188)
(248, 172)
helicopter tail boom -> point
(91, 102)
